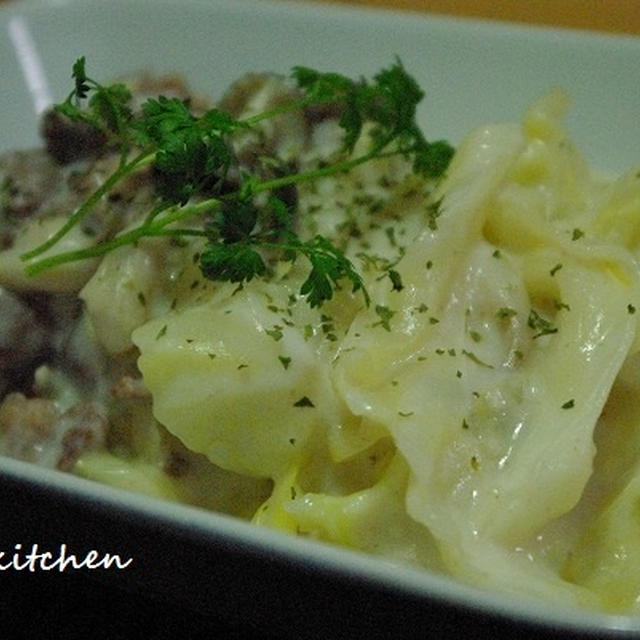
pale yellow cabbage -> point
(457, 422)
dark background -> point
(180, 585)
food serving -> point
(292, 307)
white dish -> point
(473, 72)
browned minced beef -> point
(28, 180)
(68, 141)
(23, 339)
(34, 430)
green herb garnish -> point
(542, 326)
(385, 314)
(304, 402)
(191, 156)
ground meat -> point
(146, 85)
(83, 427)
(128, 388)
(34, 430)
(67, 141)
(28, 179)
(279, 137)
(34, 184)
(23, 340)
(76, 352)
(176, 465)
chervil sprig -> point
(234, 251)
(389, 104)
(191, 156)
(105, 108)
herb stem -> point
(148, 228)
(296, 105)
(320, 172)
(142, 159)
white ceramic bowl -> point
(473, 72)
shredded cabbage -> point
(479, 419)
